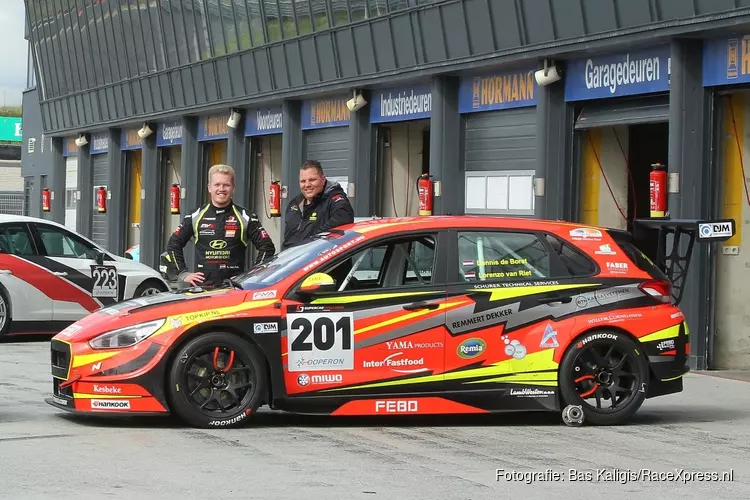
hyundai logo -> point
(218, 244)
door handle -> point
(60, 273)
(555, 298)
(421, 305)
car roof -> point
(26, 218)
(458, 221)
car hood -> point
(142, 309)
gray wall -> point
(110, 64)
(38, 164)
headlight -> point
(126, 337)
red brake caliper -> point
(216, 361)
(592, 390)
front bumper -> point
(98, 395)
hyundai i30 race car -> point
(51, 276)
(411, 316)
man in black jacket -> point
(221, 231)
(322, 205)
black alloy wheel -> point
(217, 380)
(607, 374)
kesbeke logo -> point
(107, 389)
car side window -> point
(398, 263)
(15, 239)
(572, 259)
(501, 256)
(59, 243)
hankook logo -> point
(218, 244)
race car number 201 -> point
(320, 341)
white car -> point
(51, 276)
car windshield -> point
(288, 261)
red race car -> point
(423, 315)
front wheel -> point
(217, 380)
(606, 374)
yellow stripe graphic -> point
(515, 370)
(405, 317)
(82, 395)
(513, 293)
(209, 314)
(87, 359)
(667, 333)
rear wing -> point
(684, 231)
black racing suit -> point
(329, 209)
(221, 236)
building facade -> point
(449, 90)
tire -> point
(248, 367)
(149, 287)
(5, 318)
(582, 379)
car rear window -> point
(639, 258)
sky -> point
(13, 54)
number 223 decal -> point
(320, 342)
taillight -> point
(659, 289)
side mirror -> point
(317, 283)
(100, 258)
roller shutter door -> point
(330, 146)
(100, 221)
(500, 161)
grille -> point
(60, 353)
(66, 392)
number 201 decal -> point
(320, 342)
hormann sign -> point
(324, 113)
(726, 61)
(511, 88)
(401, 104)
(614, 75)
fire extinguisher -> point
(658, 189)
(274, 199)
(101, 200)
(424, 187)
(46, 200)
(174, 199)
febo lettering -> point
(397, 406)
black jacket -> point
(221, 237)
(331, 208)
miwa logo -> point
(218, 244)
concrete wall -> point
(732, 319)
(602, 152)
(402, 165)
(10, 176)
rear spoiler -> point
(671, 262)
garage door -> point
(100, 225)
(330, 146)
(500, 161)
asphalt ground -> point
(46, 453)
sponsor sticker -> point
(233, 420)
(60, 401)
(110, 404)
(107, 389)
(585, 234)
(268, 294)
(605, 249)
(305, 379)
(617, 267)
(549, 339)
(514, 348)
(397, 363)
(266, 328)
(666, 345)
(471, 348)
(408, 344)
(70, 330)
(596, 336)
(531, 393)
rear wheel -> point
(217, 380)
(606, 374)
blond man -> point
(221, 231)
